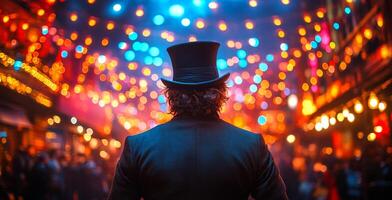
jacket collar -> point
(196, 118)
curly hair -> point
(196, 102)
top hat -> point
(194, 65)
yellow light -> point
(340, 117)
(92, 22)
(290, 138)
(132, 66)
(213, 5)
(40, 12)
(222, 26)
(87, 137)
(73, 17)
(110, 26)
(200, 24)
(56, 119)
(74, 36)
(371, 137)
(368, 33)
(373, 101)
(358, 107)
(318, 127)
(104, 42)
(25, 26)
(302, 31)
(6, 19)
(382, 106)
(192, 39)
(307, 19)
(146, 32)
(281, 33)
(350, 117)
(249, 25)
(91, 1)
(317, 27)
(277, 21)
(320, 14)
(88, 41)
(50, 121)
(378, 129)
(79, 129)
(332, 121)
(253, 3)
(104, 155)
(139, 12)
(285, 2)
(380, 21)
(127, 125)
(332, 45)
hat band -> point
(195, 74)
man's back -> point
(196, 159)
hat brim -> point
(209, 83)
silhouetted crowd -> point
(52, 175)
(312, 176)
(55, 175)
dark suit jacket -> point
(201, 159)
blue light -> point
(263, 66)
(185, 22)
(163, 107)
(257, 79)
(347, 10)
(287, 91)
(241, 53)
(253, 88)
(148, 60)
(254, 42)
(117, 7)
(158, 20)
(264, 105)
(243, 63)
(238, 80)
(136, 46)
(79, 49)
(154, 51)
(45, 30)
(221, 64)
(176, 10)
(336, 25)
(132, 36)
(269, 57)
(129, 55)
(101, 59)
(284, 47)
(122, 45)
(262, 120)
(197, 2)
(158, 61)
(161, 98)
(17, 65)
(144, 47)
(317, 38)
(64, 54)
(230, 83)
(313, 44)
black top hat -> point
(194, 64)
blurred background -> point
(314, 77)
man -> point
(196, 155)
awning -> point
(14, 116)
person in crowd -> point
(39, 179)
(22, 164)
(196, 155)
